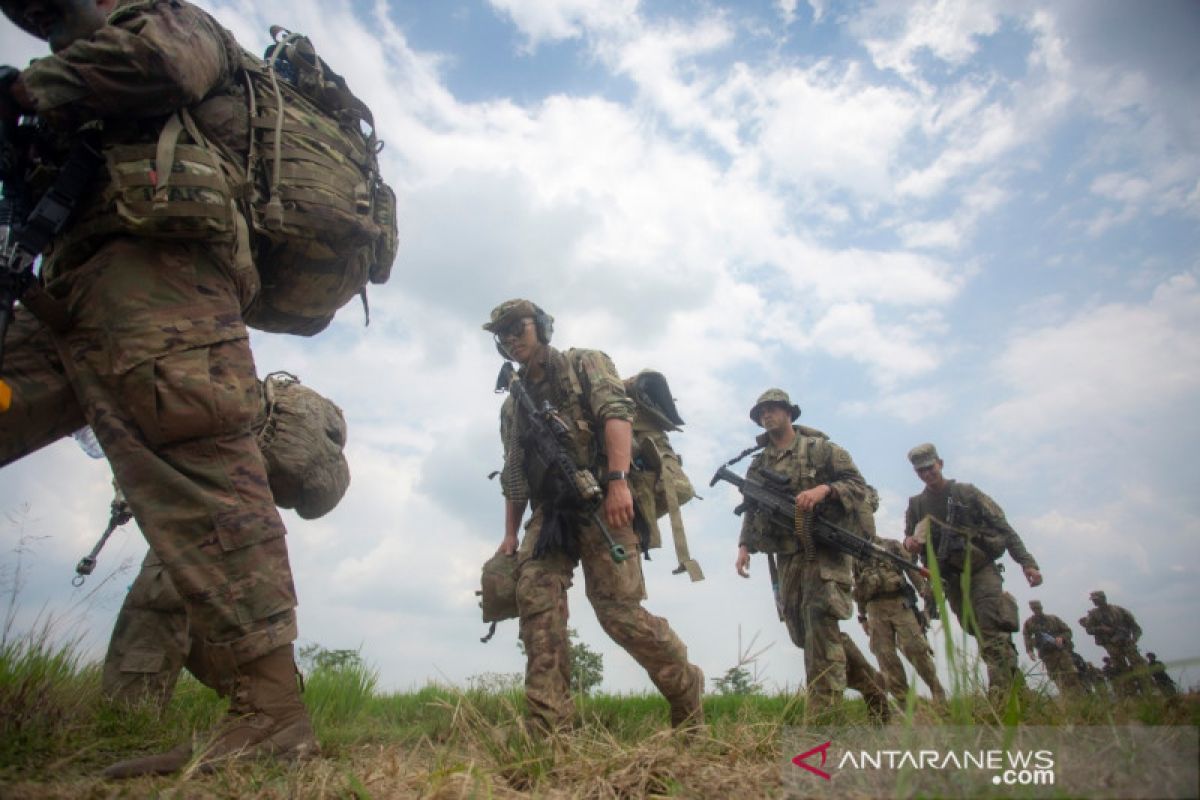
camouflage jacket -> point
(584, 388)
(810, 460)
(1111, 624)
(877, 578)
(973, 514)
(1045, 623)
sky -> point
(970, 223)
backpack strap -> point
(686, 563)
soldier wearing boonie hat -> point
(814, 594)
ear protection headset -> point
(543, 323)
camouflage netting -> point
(302, 435)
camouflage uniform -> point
(156, 357)
(584, 387)
(882, 602)
(1059, 661)
(1158, 672)
(816, 592)
(994, 611)
(1116, 630)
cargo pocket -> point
(998, 613)
(143, 662)
(192, 393)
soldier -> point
(1051, 637)
(1115, 629)
(888, 610)
(590, 400)
(142, 337)
(969, 532)
(1158, 671)
(1090, 677)
(815, 592)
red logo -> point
(823, 749)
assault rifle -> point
(547, 439)
(773, 493)
(1044, 640)
(26, 228)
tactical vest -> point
(766, 536)
(961, 513)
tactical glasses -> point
(513, 330)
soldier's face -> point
(775, 417)
(61, 22)
(931, 475)
(519, 340)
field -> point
(56, 733)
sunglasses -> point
(513, 330)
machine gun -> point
(773, 493)
(547, 440)
(26, 228)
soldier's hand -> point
(1033, 575)
(618, 505)
(743, 561)
(508, 546)
(911, 544)
(811, 498)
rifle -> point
(25, 233)
(1044, 640)
(119, 514)
(548, 436)
(774, 494)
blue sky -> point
(972, 223)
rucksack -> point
(322, 219)
(657, 481)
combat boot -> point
(266, 717)
(687, 709)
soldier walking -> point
(814, 586)
(887, 606)
(1116, 630)
(968, 532)
(589, 401)
(1050, 637)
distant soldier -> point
(1090, 676)
(814, 591)
(1158, 671)
(968, 531)
(1050, 637)
(887, 607)
(1115, 629)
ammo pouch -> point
(498, 591)
(302, 436)
(173, 188)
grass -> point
(56, 733)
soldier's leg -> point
(791, 590)
(150, 640)
(43, 407)
(882, 632)
(865, 679)
(1061, 670)
(823, 605)
(160, 360)
(616, 592)
(542, 602)
(1138, 669)
(997, 622)
(916, 649)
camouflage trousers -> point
(812, 608)
(891, 624)
(993, 622)
(151, 641)
(1129, 666)
(616, 592)
(1060, 668)
(157, 360)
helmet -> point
(510, 310)
(15, 11)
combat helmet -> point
(15, 11)
(1099, 595)
(510, 310)
(774, 396)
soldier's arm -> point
(841, 482)
(1027, 634)
(613, 410)
(147, 62)
(512, 480)
(994, 521)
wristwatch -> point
(616, 475)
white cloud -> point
(551, 20)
